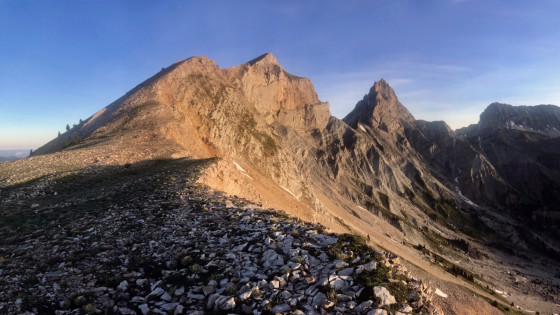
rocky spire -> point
(380, 108)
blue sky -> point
(447, 60)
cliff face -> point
(380, 109)
(268, 122)
(542, 119)
(280, 146)
(508, 162)
(272, 126)
(522, 144)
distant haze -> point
(8, 155)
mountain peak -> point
(265, 59)
(382, 89)
(539, 118)
(381, 84)
(380, 108)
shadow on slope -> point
(53, 201)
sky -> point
(61, 61)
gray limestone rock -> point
(280, 308)
(384, 295)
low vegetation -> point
(446, 264)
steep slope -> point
(523, 144)
(378, 172)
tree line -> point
(73, 139)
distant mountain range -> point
(477, 196)
(10, 155)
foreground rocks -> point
(169, 246)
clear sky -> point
(447, 60)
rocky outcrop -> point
(271, 88)
(380, 109)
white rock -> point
(364, 305)
(338, 284)
(340, 264)
(294, 265)
(313, 261)
(180, 291)
(372, 265)
(144, 308)
(267, 241)
(240, 247)
(343, 298)
(323, 281)
(245, 295)
(384, 295)
(126, 311)
(179, 310)
(212, 300)
(440, 293)
(377, 311)
(157, 292)
(123, 285)
(226, 303)
(166, 297)
(155, 285)
(346, 272)
(141, 282)
(206, 290)
(406, 309)
(310, 289)
(190, 295)
(359, 291)
(318, 299)
(327, 240)
(280, 308)
(324, 257)
(169, 306)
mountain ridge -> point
(280, 146)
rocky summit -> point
(150, 204)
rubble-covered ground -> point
(146, 239)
